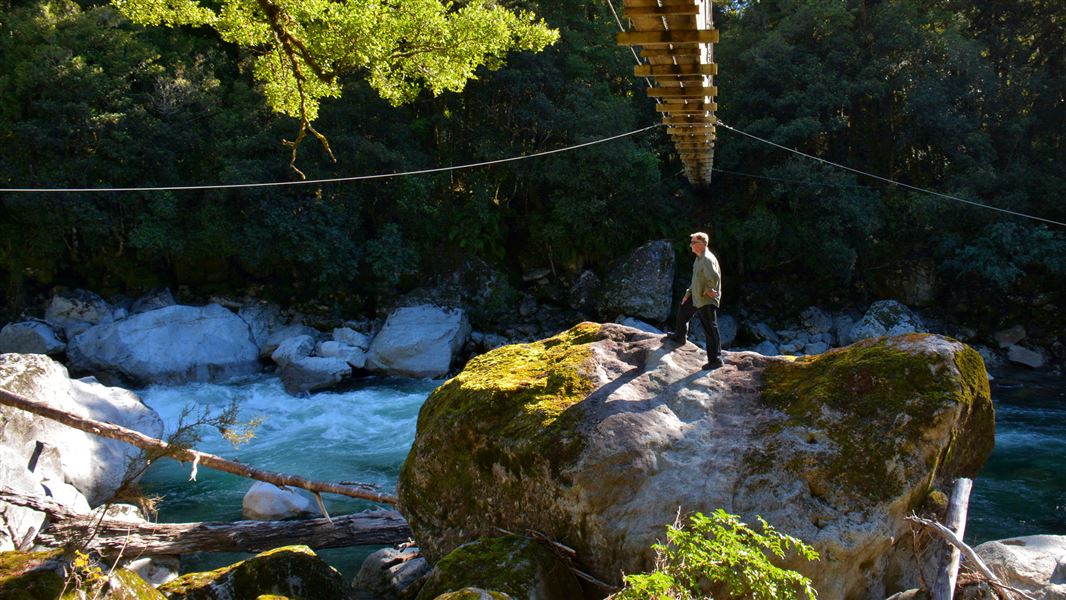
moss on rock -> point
(517, 566)
(40, 576)
(293, 572)
(472, 593)
(849, 394)
(30, 575)
(516, 408)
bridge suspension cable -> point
(887, 180)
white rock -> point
(153, 300)
(1035, 564)
(638, 324)
(419, 341)
(292, 349)
(66, 494)
(156, 570)
(267, 502)
(172, 345)
(1024, 356)
(92, 464)
(277, 336)
(30, 337)
(356, 357)
(351, 337)
(886, 317)
(263, 318)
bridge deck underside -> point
(676, 40)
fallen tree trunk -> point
(111, 536)
(180, 454)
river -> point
(364, 435)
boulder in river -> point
(173, 345)
(596, 437)
(418, 341)
(50, 450)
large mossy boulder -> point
(598, 436)
(294, 572)
(516, 566)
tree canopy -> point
(303, 48)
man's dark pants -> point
(709, 318)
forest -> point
(962, 97)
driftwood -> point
(180, 454)
(944, 587)
(111, 536)
(950, 537)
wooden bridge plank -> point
(672, 69)
(673, 36)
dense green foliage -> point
(959, 96)
(721, 551)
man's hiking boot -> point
(712, 364)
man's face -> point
(697, 247)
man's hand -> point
(711, 294)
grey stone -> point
(767, 348)
(418, 341)
(74, 312)
(727, 330)
(356, 357)
(156, 570)
(1010, 336)
(765, 332)
(160, 298)
(1035, 564)
(816, 320)
(886, 318)
(842, 325)
(30, 337)
(294, 348)
(585, 292)
(641, 283)
(391, 573)
(172, 345)
(263, 318)
(815, 348)
(313, 373)
(351, 337)
(1025, 356)
(282, 333)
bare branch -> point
(181, 454)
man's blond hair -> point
(699, 236)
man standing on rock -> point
(702, 297)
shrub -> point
(717, 551)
